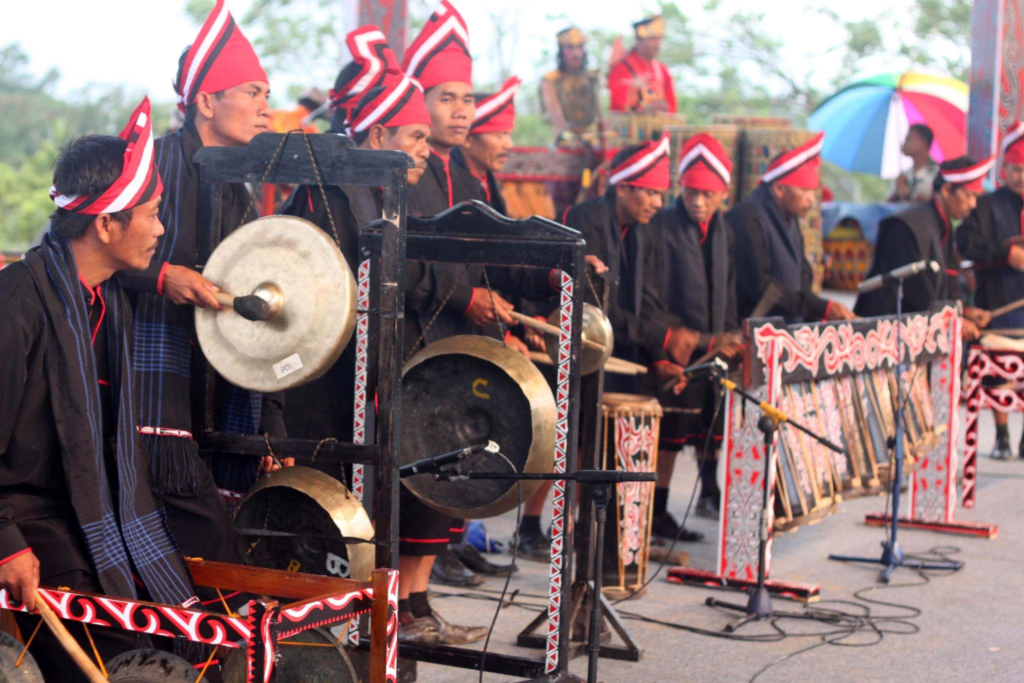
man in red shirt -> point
(639, 82)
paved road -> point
(969, 625)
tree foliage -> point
(35, 124)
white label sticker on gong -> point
(287, 366)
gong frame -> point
(470, 233)
(473, 233)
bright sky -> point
(137, 42)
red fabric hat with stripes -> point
(497, 113)
(400, 104)
(440, 53)
(1013, 145)
(799, 167)
(704, 164)
(647, 167)
(219, 58)
(139, 180)
(972, 177)
(371, 58)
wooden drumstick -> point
(68, 641)
(1008, 308)
(550, 329)
(613, 365)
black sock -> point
(708, 478)
(403, 606)
(1002, 432)
(660, 500)
(418, 605)
(530, 526)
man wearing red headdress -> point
(489, 142)
(392, 116)
(76, 506)
(222, 90)
(442, 300)
(639, 82)
(925, 231)
(769, 245)
(616, 229)
(993, 237)
(696, 279)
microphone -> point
(901, 273)
(436, 462)
(713, 367)
(709, 368)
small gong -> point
(301, 273)
(294, 519)
(596, 328)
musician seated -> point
(924, 232)
(76, 507)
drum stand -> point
(600, 483)
(759, 605)
(892, 555)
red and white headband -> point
(799, 166)
(371, 57)
(219, 58)
(139, 180)
(400, 104)
(1012, 149)
(972, 177)
(440, 52)
(498, 112)
(705, 165)
(648, 167)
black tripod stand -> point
(600, 482)
(892, 554)
(759, 605)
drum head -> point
(318, 305)
(468, 390)
(314, 511)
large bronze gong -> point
(468, 390)
(294, 519)
(301, 273)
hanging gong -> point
(295, 267)
(596, 328)
(296, 518)
(468, 390)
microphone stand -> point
(600, 482)
(892, 555)
(759, 604)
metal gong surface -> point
(468, 390)
(297, 664)
(312, 511)
(596, 328)
(317, 304)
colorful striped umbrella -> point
(865, 122)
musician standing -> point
(616, 229)
(769, 245)
(696, 278)
(640, 83)
(489, 142)
(222, 89)
(925, 231)
(76, 507)
(391, 114)
(992, 237)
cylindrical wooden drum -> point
(630, 444)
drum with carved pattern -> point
(630, 443)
